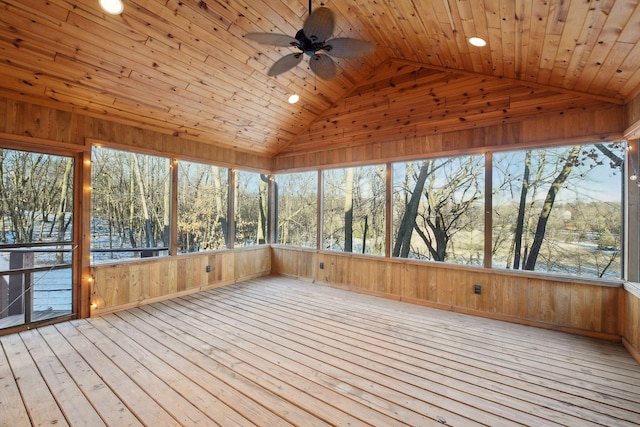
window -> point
(203, 194)
(251, 208)
(559, 210)
(438, 207)
(555, 210)
(36, 201)
(297, 208)
(354, 209)
(131, 194)
(36, 236)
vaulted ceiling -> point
(185, 67)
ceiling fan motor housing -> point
(308, 45)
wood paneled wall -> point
(56, 126)
(601, 123)
(632, 118)
(65, 130)
(36, 121)
(573, 306)
(132, 283)
(631, 333)
(403, 100)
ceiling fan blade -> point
(348, 48)
(272, 39)
(323, 66)
(319, 25)
(285, 63)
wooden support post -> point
(83, 282)
(320, 213)
(4, 297)
(18, 285)
(28, 296)
(231, 224)
(272, 221)
(388, 211)
(632, 261)
(488, 210)
(173, 216)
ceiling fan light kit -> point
(313, 41)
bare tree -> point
(63, 203)
(129, 199)
(220, 213)
(521, 210)
(36, 189)
(542, 239)
(263, 203)
(555, 187)
(4, 201)
(354, 209)
(402, 244)
(348, 210)
(296, 208)
(251, 208)
(440, 205)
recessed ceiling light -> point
(477, 41)
(114, 7)
(294, 98)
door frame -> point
(81, 269)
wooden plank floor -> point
(276, 351)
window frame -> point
(630, 227)
(151, 252)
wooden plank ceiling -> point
(184, 67)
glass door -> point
(36, 237)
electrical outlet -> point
(477, 289)
(208, 269)
(321, 265)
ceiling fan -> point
(312, 41)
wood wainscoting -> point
(133, 283)
(573, 305)
(631, 326)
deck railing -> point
(18, 282)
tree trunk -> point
(403, 239)
(166, 231)
(548, 206)
(348, 211)
(221, 213)
(616, 161)
(442, 238)
(62, 206)
(364, 234)
(150, 240)
(132, 211)
(263, 201)
(609, 262)
(517, 252)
